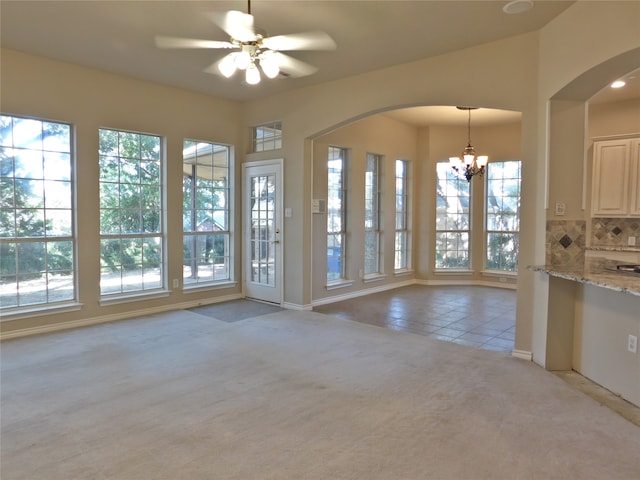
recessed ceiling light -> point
(618, 84)
(518, 6)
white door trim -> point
(278, 295)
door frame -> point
(278, 168)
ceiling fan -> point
(252, 48)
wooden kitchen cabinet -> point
(616, 177)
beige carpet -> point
(292, 395)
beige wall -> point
(501, 142)
(90, 99)
(395, 140)
(614, 118)
(378, 135)
(504, 78)
(520, 73)
(589, 45)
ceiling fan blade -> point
(238, 25)
(300, 41)
(293, 67)
(176, 42)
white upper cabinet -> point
(634, 206)
(616, 177)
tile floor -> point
(481, 317)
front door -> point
(262, 230)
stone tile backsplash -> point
(566, 242)
(614, 232)
(566, 239)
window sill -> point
(133, 297)
(338, 284)
(500, 273)
(21, 313)
(209, 286)
(376, 277)
(451, 271)
(403, 272)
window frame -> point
(373, 259)
(460, 232)
(487, 231)
(226, 233)
(48, 239)
(402, 212)
(266, 137)
(335, 153)
(148, 241)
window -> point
(452, 219)
(267, 137)
(336, 214)
(131, 212)
(503, 215)
(372, 213)
(36, 213)
(205, 221)
(402, 260)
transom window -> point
(452, 219)
(267, 137)
(131, 212)
(503, 215)
(37, 241)
(372, 229)
(336, 214)
(205, 221)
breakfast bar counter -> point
(593, 322)
(595, 271)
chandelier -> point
(469, 165)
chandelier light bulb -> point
(252, 74)
(227, 65)
(269, 64)
(243, 59)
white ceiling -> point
(118, 36)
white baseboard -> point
(523, 354)
(361, 293)
(467, 283)
(55, 327)
(297, 307)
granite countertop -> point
(595, 271)
(611, 248)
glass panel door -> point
(262, 213)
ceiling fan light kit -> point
(254, 49)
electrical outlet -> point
(632, 344)
(560, 208)
(631, 241)
(176, 283)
